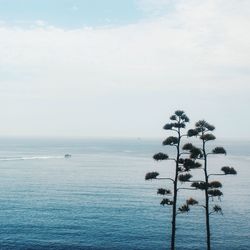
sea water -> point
(98, 198)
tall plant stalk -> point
(211, 188)
(206, 193)
(175, 186)
(179, 122)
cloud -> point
(40, 22)
(199, 49)
(197, 38)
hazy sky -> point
(120, 68)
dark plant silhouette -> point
(210, 188)
(182, 166)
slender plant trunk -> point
(174, 215)
(206, 198)
(175, 194)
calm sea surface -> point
(98, 198)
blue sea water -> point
(98, 198)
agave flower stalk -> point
(211, 189)
(178, 122)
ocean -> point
(98, 198)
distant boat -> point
(67, 156)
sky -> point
(115, 68)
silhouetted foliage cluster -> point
(166, 201)
(163, 191)
(192, 201)
(171, 140)
(214, 184)
(217, 209)
(184, 208)
(215, 192)
(160, 157)
(219, 150)
(184, 177)
(199, 185)
(202, 185)
(228, 170)
(151, 175)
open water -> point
(98, 198)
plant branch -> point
(163, 178)
(172, 159)
(183, 135)
(215, 174)
(184, 153)
(186, 189)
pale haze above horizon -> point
(120, 68)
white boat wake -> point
(30, 158)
